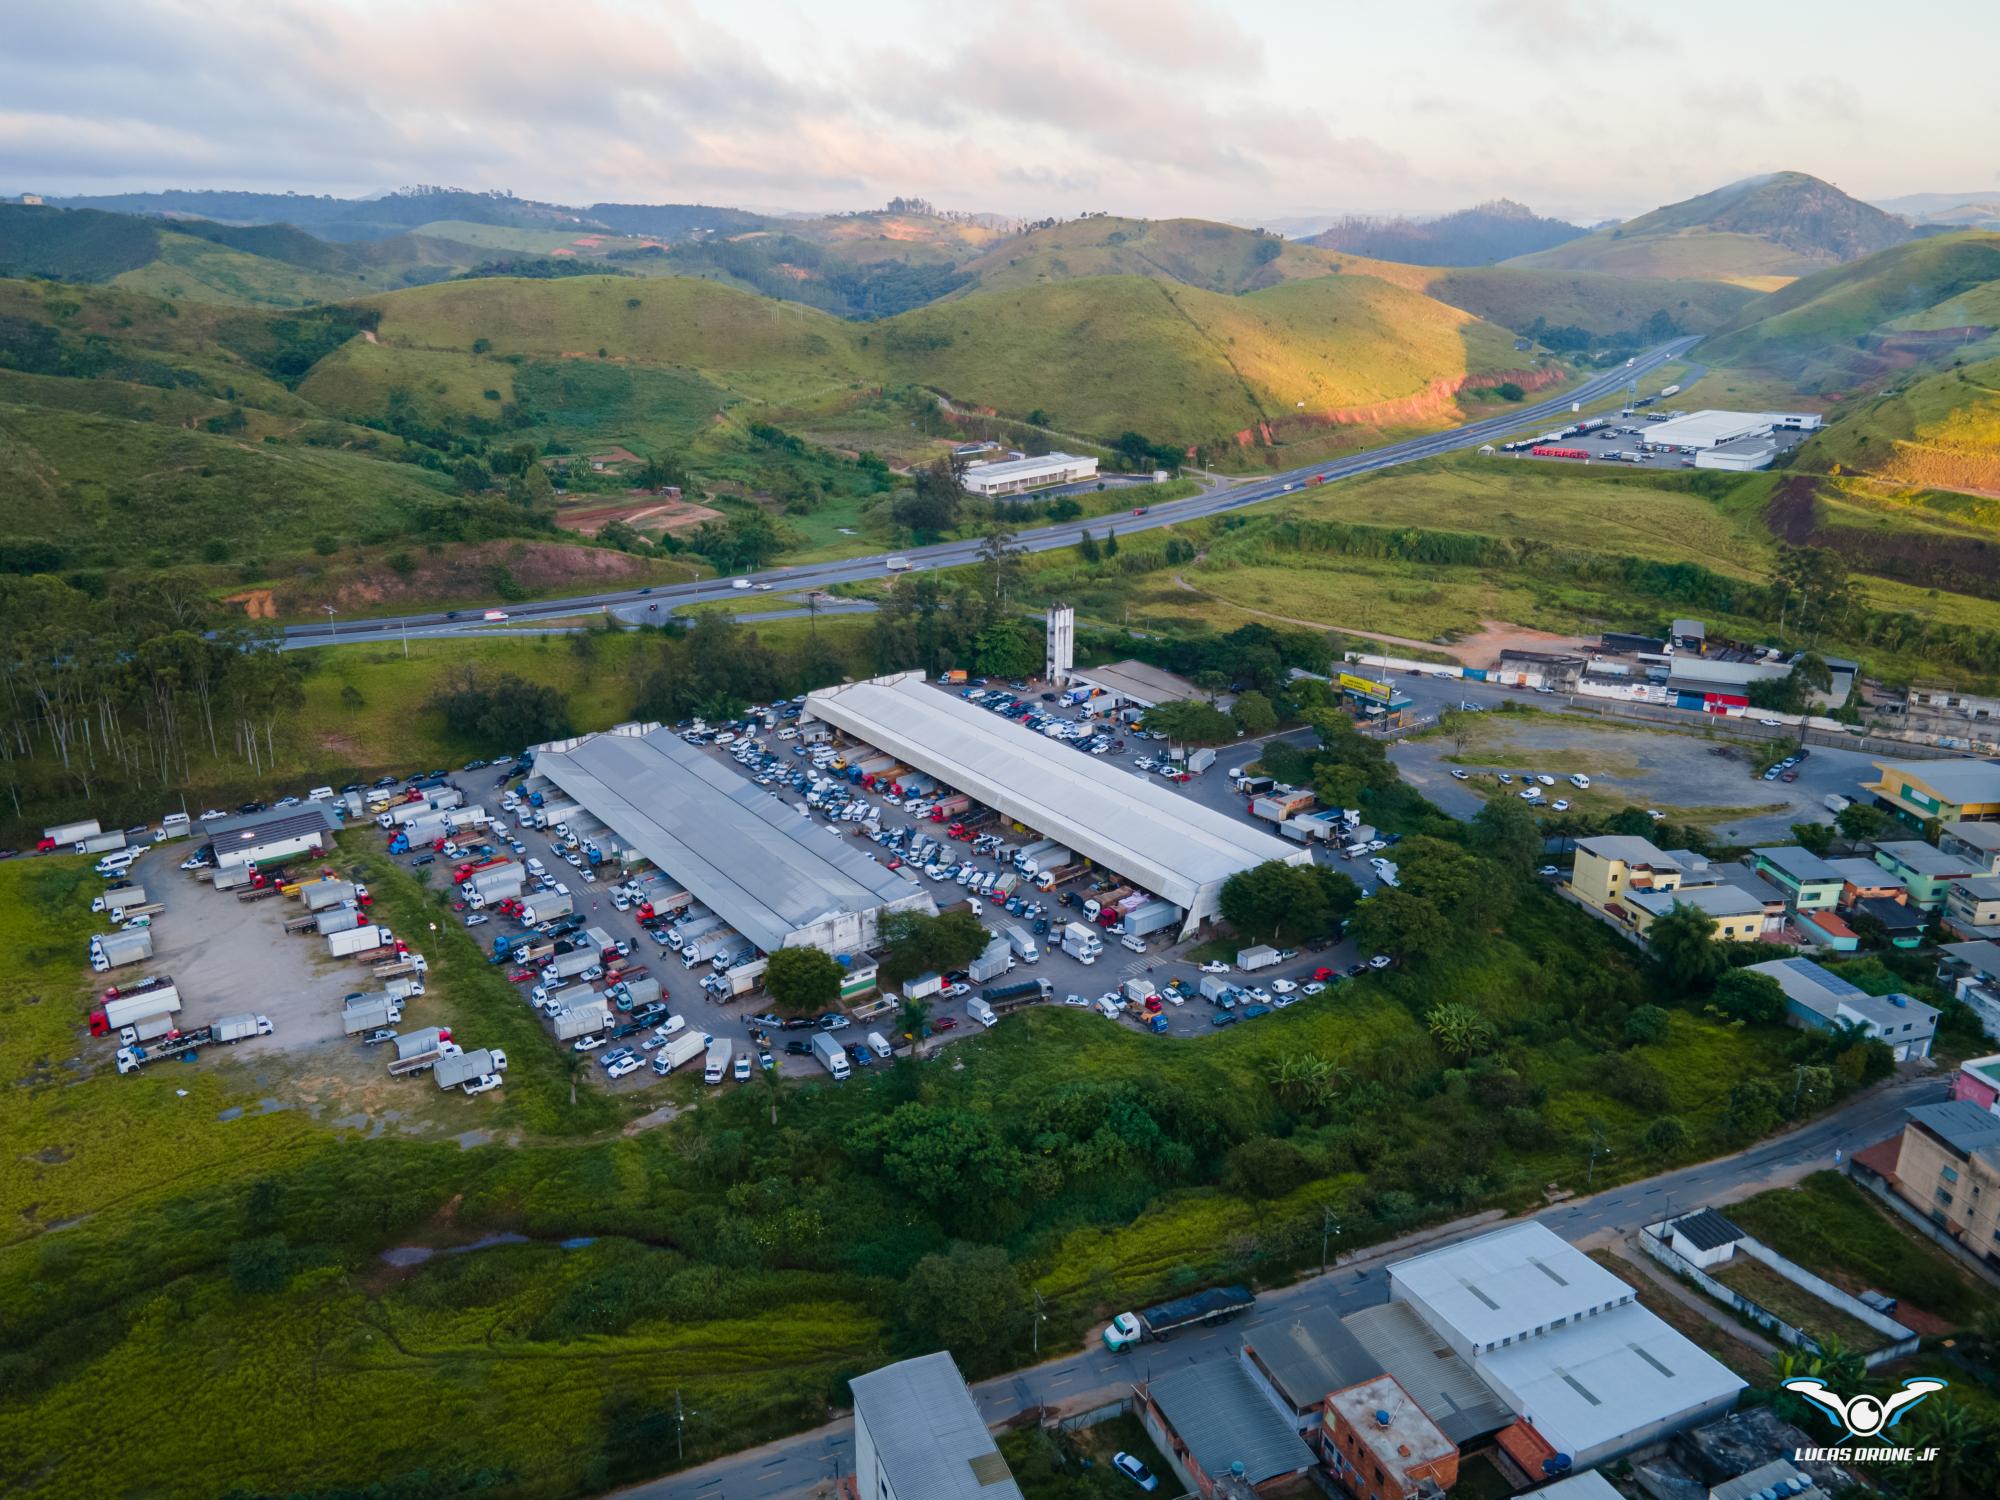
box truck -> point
(123, 1006)
(832, 1056)
(1252, 959)
(683, 1047)
(62, 835)
(582, 1020)
(717, 1067)
(548, 907)
(1152, 917)
(99, 843)
(355, 940)
(322, 894)
(337, 919)
(1021, 941)
(568, 965)
(418, 1050)
(239, 1028)
(116, 949)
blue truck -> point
(1203, 1309)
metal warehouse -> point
(772, 875)
(1717, 429)
(1014, 476)
(1140, 831)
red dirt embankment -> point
(463, 572)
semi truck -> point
(1056, 879)
(241, 1027)
(1201, 1310)
(128, 1004)
(831, 1055)
(1005, 997)
(114, 950)
(303, 923)
(1260, 957)
(418, 1050)
(174, 1044)
(1047, 855)
(322, 894)
(64, 834)
(683, 1047)
(99, 843)
(357, 940)
(399, 963)
(946, 808)
(1278, 806)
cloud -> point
(1537, 25)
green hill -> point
(1936, 432)
(1758, 233)
(1920, 302)
(1214, 257)
(1597, 301)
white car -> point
(1561, 804)
(1544, 778)
(1772, 723)
(1313, 987)
(1457, 775)
(623, 1066)
(1215, 967)
(1380, 961)
(1283, 986)
(1532, 794)
(476, 918)
(1580, 781)
(481, 1084)
(587, 1044)
(1258, 993)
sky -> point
(1252, 112)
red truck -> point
(1545, 451)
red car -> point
(1138, 510)
(520, 976)
(947, 1023)
(458, 906)
(1322, 974)
(894, 863)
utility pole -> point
(1041, 1316)
(680, 1428)
(1328, 1227)
(330, 613)
(1597, 1148)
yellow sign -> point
(1355, 684)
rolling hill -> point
(1476, 236)
(1919, 302)
(1935, 432)
(1215, 257)
(1758, 233)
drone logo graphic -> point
(1865, 1416)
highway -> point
(805, 1464)
(1040, 539)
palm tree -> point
(1308, 1079)
(911, 1018)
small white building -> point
(1740, 458)
(1016, 476)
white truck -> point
(71, 833)
(323, 894)
(100, 843)
(337, 919)
(719, 1051)
(241, 1027)
(369, 1013)
(705, 947)
(1081, 942)
(1260, 957)
(418, 1050)
(832, 1056)
(1151, 917)
(683, 1048)
(1021, 941)
(586, 1019)
(568, 965)
(141, 1004)
(547, 908)
(115, 949)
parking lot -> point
(1623, 443)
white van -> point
(879, 1045)
(118, 863)
(1580, 781)
(1132, 944)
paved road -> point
(793, 1466)
(1042, 539)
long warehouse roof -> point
(762, 868)
(1172, 845)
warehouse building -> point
(1589, 1373)
(1134, 683)
(919, 1436)
(1719, 429)
(1139, 831)
(1016, 476)
(265, 837)
(772, 875)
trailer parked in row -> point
(241, 1027)
(418, 1050)
(174, 1044)
(366, 1013)
(353, 941)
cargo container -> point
(418, 1050)
(583, 1020)
(997, 958)
(923, 986)
(115, 949)
(357, 940)
(1278, 806)
(336, 919)
(242, 1027)
(369, 1013)
(1260, 957)
(321, 894)
(637, 992)
(832, 1056)
(122, 1007)
(1202, 1309)
(683, 1047)
(1200, 760)
(716, 1068)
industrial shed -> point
(280, 833)
(776, 877)
(1141, 832)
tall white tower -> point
(1062, 645)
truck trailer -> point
(369, 1013)
(174, 1044)
(128, 1004)
(322, 894)
(1005, 997)
(418, 1050)
(1201, 1310)
(1153, 916)
(99, 843)
(241, 1027)
(337, 919)
(114, 950)
(547, 907)
(586, 1019)
(356, 940)
(62, 834)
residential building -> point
(1809, 882)
(1817, 999)
(1635, 883)
(1973, 906)
(1379, 1444)
(1978, 1080)
(1944, 791)
(918, 1436)
(1901, 923)
(1924, 870)
(1976, 843)
(1297, 1363)
(1739, 917)
(1212, 1423)
(1564, 1343)
(1016, 476)
(1826, 929)
(1745, 879)
(1971, 973)
(1864, 880)
(1948, 1168)
(1609, 866)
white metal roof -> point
(928, 1435)
(1138, 829)
(1511, 1282)
(1594, 1383)
(758, 864)
(1708, 429)
(1025, 468)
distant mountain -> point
(1759, 232)
(1975, 209)
(340, 218)
(1479, 236)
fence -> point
(1902, 1341)
(1868, 1178)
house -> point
(1609, 866)
(1971, 973)
(1635, 883)
(1924, 871)
(1901, 923)
(1826, 929)
(1703, 1238)
(1809, 882)
(1978, 1080)
(1947, 1167)
(1298, 1362)
(1864, 880)
(1976, 843)
(1944, 791)
(1739, 917)
(1817, 999)
(1212, 1423)
(1379, 1444)
(1589, 1373)
(1973, 906)
(1746, 879)
(918, 1436)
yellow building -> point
(1635, 883)
(1951, 791)
(1948, 1168)
(1608, 867)
(1738, 915)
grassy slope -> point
(1514, 297)
(195, 269)
(1214, 257)
(1689, 254)
(1939, 432)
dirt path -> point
(1642, 1265)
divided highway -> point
(1041, 539)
